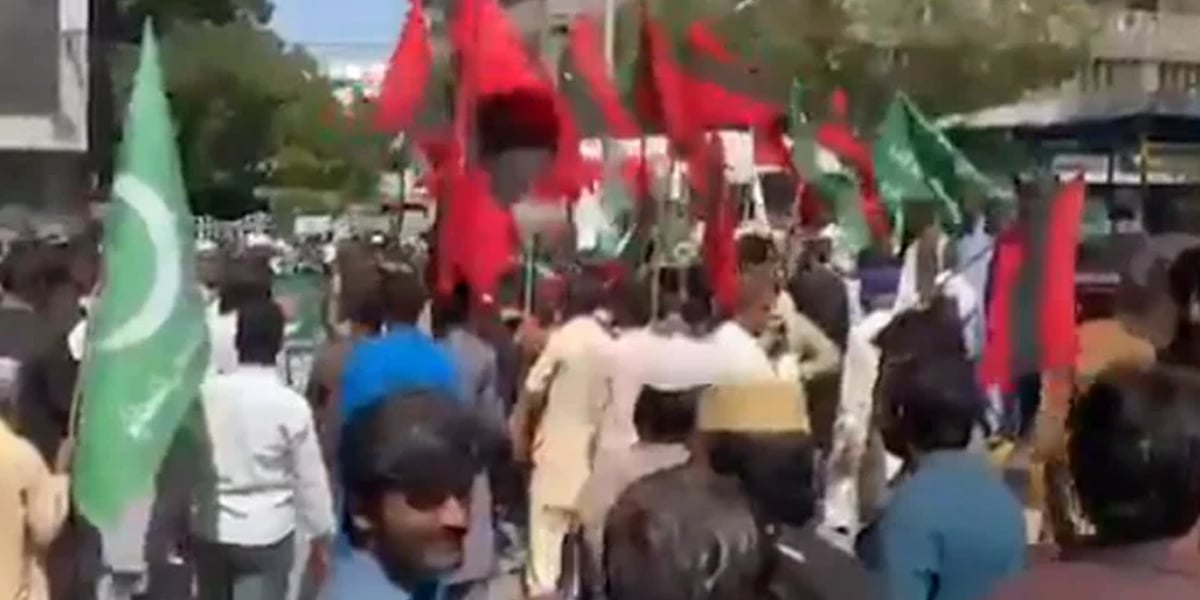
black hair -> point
(259, 336)
(934, 403)
(452, 310)
(631, 303)
(1183, 277)
(421, 444)
(23, 272)
(679, 535)
(697, 309)
(665, 417)
(776, 471)
(1135, 453)
(244, 280)
(1183, 282)
(585, 294)
(366, 311)
(403, 295)
(754, 250)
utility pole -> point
(610, 35)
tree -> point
(252, 112)
(949, 55)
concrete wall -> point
(43, 145)
(47, 180)
(62, 125)
(1140, 35)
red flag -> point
(1031, 320)
(476, 236)
(839, 105)
(837, 136)
(1058, 331)
(722, 90)
(660, 94)
(706, 174)
(770, 149)
(491, 52)
(408, 96)
(996, 365)
(587, 86)
(513, 98)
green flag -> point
(834, 183)
(147, 348)
(618, 210)
(915, 161)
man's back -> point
(33, 504)
(670, 361)
(476, 364)
(403, 360)
(952, 531)
(262, 436)
(809, 568)
(821, 295)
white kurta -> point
(852, 426)
(642, 357)
(744, 358)
(570, 371)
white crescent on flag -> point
(160, 224)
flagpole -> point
(610, 35)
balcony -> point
(1148, 36)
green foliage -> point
(252, 113)
(948, 55)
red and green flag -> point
(413, 99)
(826, 178)
(660, 89)
(589, 91)
(724, 91)
(1031, 319)
(706, 178)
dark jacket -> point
(46, 377)
(807, 567)
(821, 296)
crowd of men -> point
(824, 438)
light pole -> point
(610, 35)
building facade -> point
(44, 126)
(1145, 46)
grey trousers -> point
(231, 572)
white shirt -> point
(222, 332)
(641, 358)
(860, 369)
(743, 357)
(269, 474)
(954, 285)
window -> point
(1099, 75)
(1178, 77)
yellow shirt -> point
(33, 505)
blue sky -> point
(342, 29)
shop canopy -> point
(1101, 120)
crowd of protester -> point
(826, 437)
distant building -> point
(354, 78)
(44, 134)
(1145, 46)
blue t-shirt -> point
(403, 360)
(358, 576)
(952, 531)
